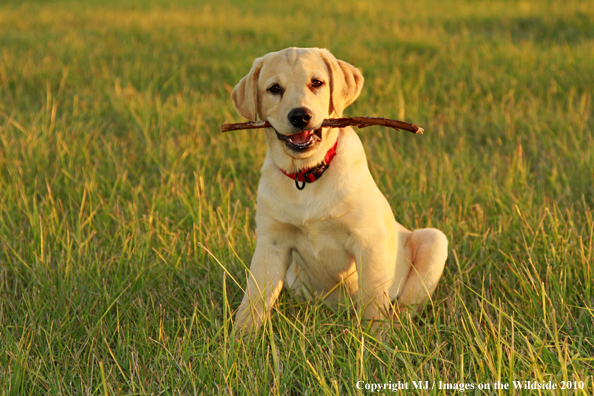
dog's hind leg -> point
(428, 252)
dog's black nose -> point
(299, 117)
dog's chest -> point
(319, 233)
(321, 245)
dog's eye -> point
(275, 89)
(316, 83)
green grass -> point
(127, 219)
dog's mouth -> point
(303, 140)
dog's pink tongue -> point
(302, 137)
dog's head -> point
(295, 90)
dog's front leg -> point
(374, 258)
(265, 282)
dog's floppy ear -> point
(346, 82)
(245, 93)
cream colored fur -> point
(337, 238)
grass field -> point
(127, 219)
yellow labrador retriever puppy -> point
(324, 227)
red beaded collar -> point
(310, 175)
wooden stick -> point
(360, 122)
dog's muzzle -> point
(301, 141)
